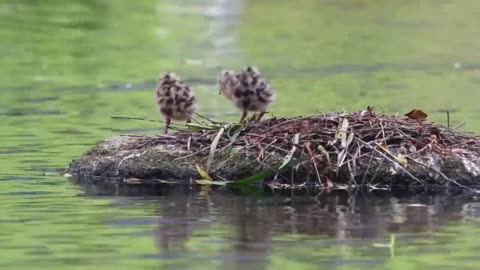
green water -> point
(68, 66)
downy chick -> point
(247, 90)
(175, 99)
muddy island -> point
(335, 151)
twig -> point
(448, 118)
(264, 149)
(310, 152)
(439, 173)
(393, 161)
(193, 154)
(399, 165)
(127, 157)
(368, 168)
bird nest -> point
(339, 149)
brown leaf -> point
(416, 114)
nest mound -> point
(329, 150)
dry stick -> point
(225, 161)
(380, 131)
(368, 168)
(346, 153)
(376, 170)
(281, 149)
(264, 149)
(260, 149)
(354, 163)
(374, 187)
(440, 173)
(307, 145)
(128, 157)
(227, 145)
(402, 133)
(256, 135)
(159, 137)
(262, 161)
(399, 165)
(189, 142)
(359, 156)
(193, 154)
(287, 121)
(277, 173)
(448, 118)
(352, 177)
(383, 132)
(393, 161)
(421, 150)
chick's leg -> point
(253, 118)
(167, 125)
(244, 115)
(262, 113)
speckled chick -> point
(247, 89)
(175, 99)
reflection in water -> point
(259, 227)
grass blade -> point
(341, 157)
(252, 179)
(213, 147)
(261, 175)
(203, 173)
(349, 140)
(343, 132)
(195, 126)
(209, 182)
(290, 154)
(324, 151)
(232, 141)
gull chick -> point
(175, 99)
(247, 89)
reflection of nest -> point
(338, 148)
